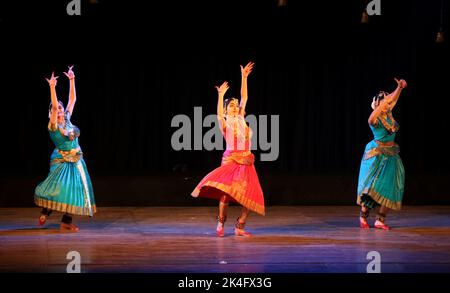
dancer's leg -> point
(240, 223)
(66, 223)
(222, 217)
(363, 215)
(43, 217)
(381, 218)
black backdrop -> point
(137, 66)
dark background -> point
(137, 66)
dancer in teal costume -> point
(382, 176)
(67, 188)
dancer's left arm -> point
(245, 72)
(72, 92)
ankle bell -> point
(364, 215)
(381, 217)
(239, 225)
(221, 220)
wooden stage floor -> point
(293, 239)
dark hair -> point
(380, 95)
(59, 102)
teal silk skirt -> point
(67, 188)
(381, 177)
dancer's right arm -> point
(220, 113)
(392, 98)
(54, 113)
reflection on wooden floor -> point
(182, 239)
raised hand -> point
(53, 80)
(401, 83)
(245, 71)
(223, 88)
(70, 74)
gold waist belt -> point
(240, 157)
(71, 156)
(382, 149)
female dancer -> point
(382, 176)
(68, 187)
(236, 179)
